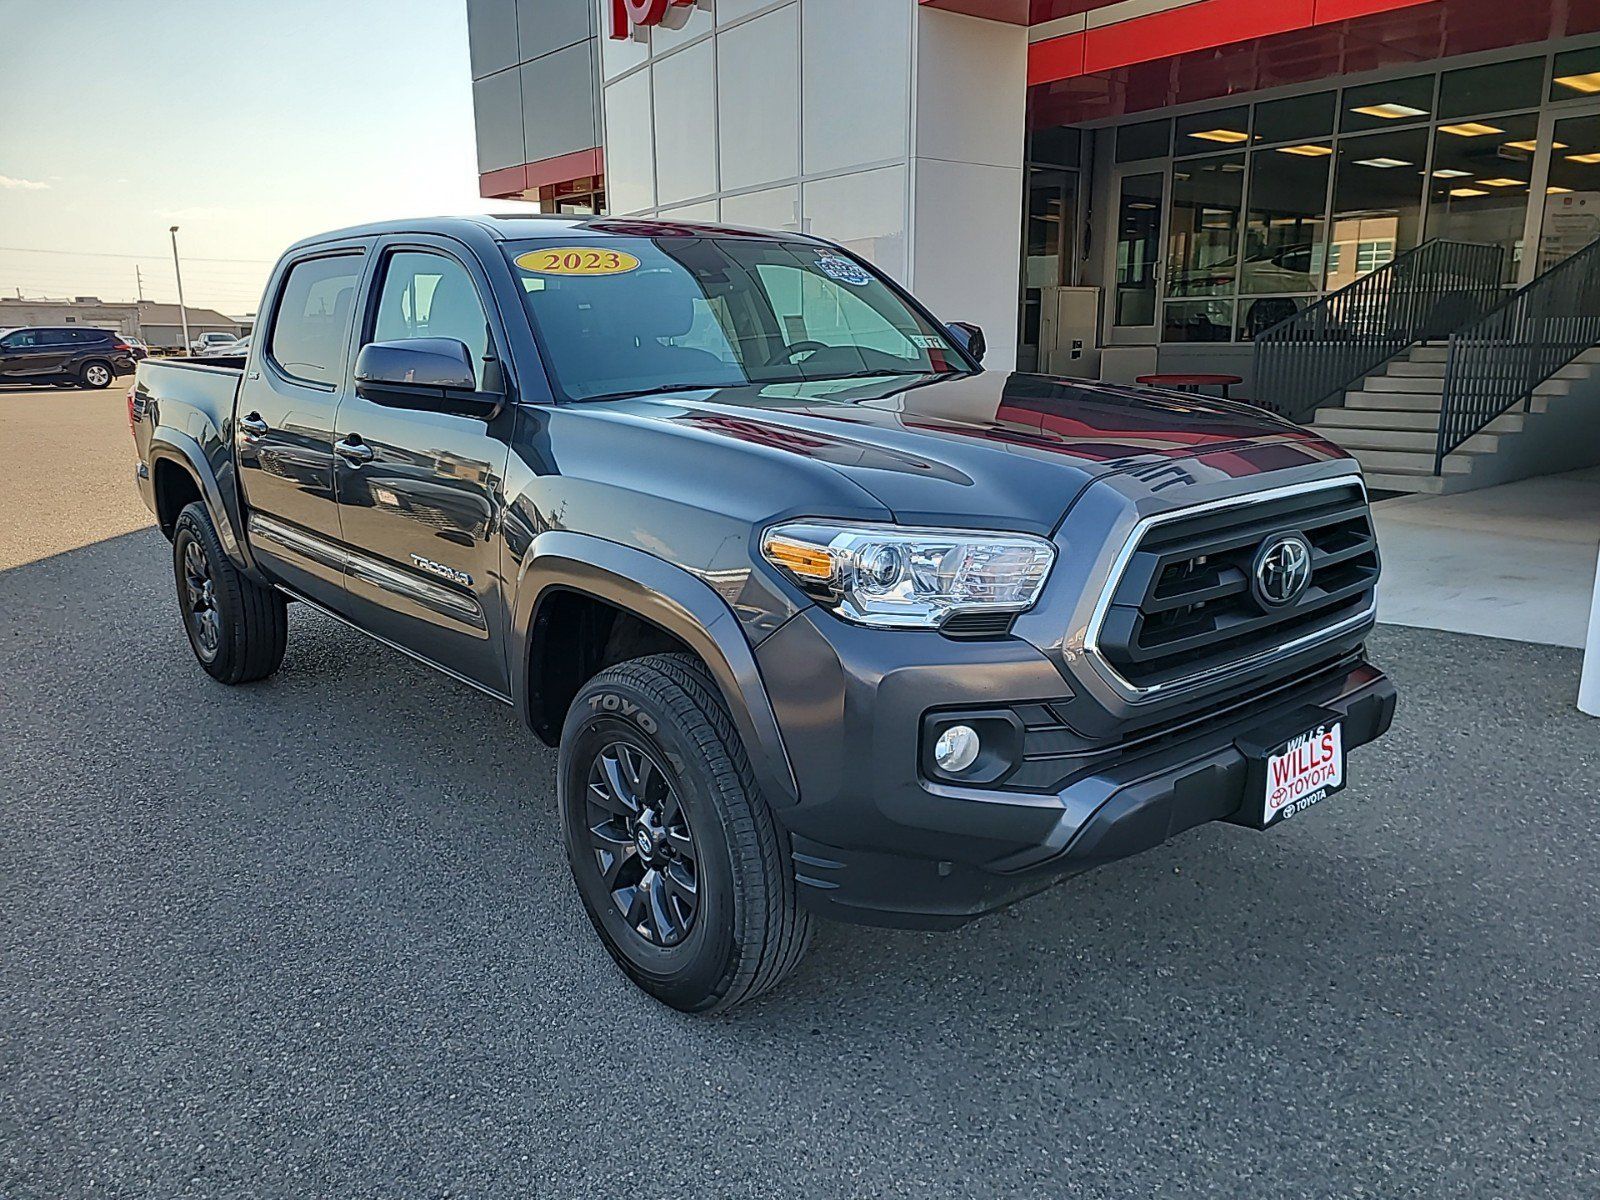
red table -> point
(1189, 381)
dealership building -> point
(1117, 190)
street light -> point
(183, 311)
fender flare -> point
(173, 445)
(672, 599)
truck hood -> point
(992, 450)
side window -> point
(22, 340)
(313, 317)
(431, 296)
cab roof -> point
(512, 227)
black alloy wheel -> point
(199, 600)
(640, 836)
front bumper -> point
(877, 842)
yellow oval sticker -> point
(577, 260)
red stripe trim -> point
(509, 183)
(1202, 26)
(1055, 58)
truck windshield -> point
(631, 315)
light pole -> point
(183, 312)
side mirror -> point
(969, 338)
(435, 374)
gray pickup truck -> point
(823, 617)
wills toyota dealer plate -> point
(1304, 770)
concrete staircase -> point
(1391, 424)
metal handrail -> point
(1425, 293)
(1500, 359)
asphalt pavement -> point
(315, 937)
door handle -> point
(252, 425)
(353, 450)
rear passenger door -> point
(420, 490)
(284, 421)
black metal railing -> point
(1425, 293)
(1497, 361)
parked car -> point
(208, 342)
(824, 618)
(137, 348)
(238, 348)
(50, 354)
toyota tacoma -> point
(824, 618)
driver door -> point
(419, 491)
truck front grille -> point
(1184, 607)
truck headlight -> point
(894, 576)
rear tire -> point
(237, 628)
(96, 374)
(679, 863)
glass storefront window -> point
(1055, 147)
(1197, 321)
(1377, 202)
(1285, 225)
(1203, 230)
(1478, 191)
(1384, 105)
(1494, 88)
(1576, 73)
(1296, 119)
(1571, 218)
(1148, 139)
(1208, 132)
(1138, 246)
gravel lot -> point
(283, 941)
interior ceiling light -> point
(1468, 192)
(1221, 135)
(1391, 111)
(1470, 129)
(1449, 173)
(1586, 83)
(1308, 151)
(1382, 162)
(1530, 145)
(1556, 191)
(1592, 157)
(1501, 182)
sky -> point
(247, 123)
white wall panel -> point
(686, 124)
(971, 99)
(630, 149)
(775, 208)
(758, 80)
(967, 248)
(855, 80)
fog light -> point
(957, 748)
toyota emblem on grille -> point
(1282, 569)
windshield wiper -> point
(658, 388)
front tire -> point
(96, 375)
(237, 628)
(679, 863)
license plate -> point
(1303, 771)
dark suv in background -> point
(90, 357)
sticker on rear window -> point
(577, 260)
(843, 270)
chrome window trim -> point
(1133, 692)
